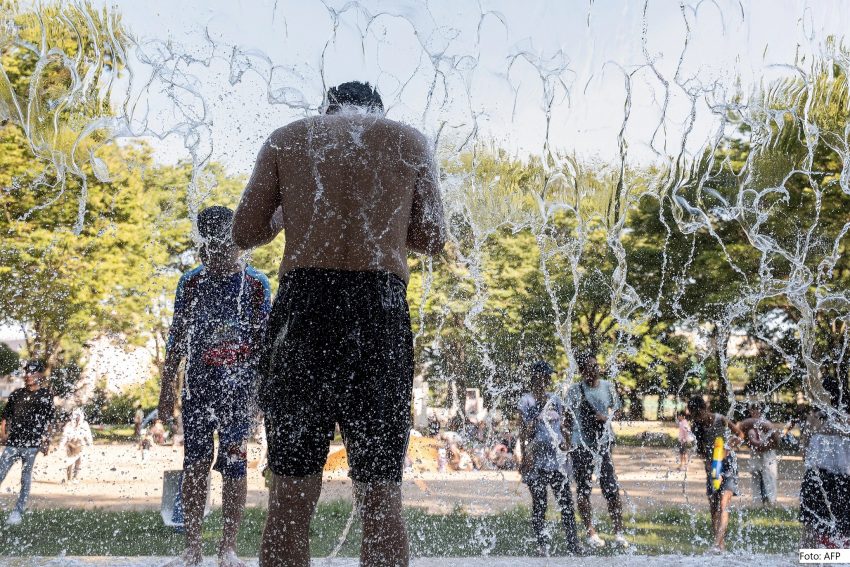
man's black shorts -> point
(339, 349)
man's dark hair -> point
(34, 365)
(696, 404)
(840, 397)
(584, 358)
(353, 93)
(215, 222)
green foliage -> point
(9, 360)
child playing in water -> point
(707, 428)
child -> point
(707, 428)
(220, 312)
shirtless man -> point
(353, 192)
(763, 437)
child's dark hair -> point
(215, 222)
(696, 404)
(353, 93)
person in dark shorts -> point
(25, 427)
(707, 427)
(353, 192)
(825, 490)
(220, 312)
(594, 403)
(544, 431)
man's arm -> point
(616, 402)
(258, 218)
(426, 232)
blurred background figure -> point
(763, 438)
(25, 427)
(825, 492)
(76, 437)
(686, 440)
(543, 442)
(717, 437)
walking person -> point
(544, 431)
(763, 438)
(25, 427)
(825, 490)
(76, 437)
(594, 403)
(353, 192)
(220, 312)
(716, 437)
(686, 440)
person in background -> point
(26, 424)
(76, 437)
(543, 440)
(686, 440)
(763, 438)
(594, 403)
(157, 432)
(708, 427)
(138, 417)
(220, 312)
(825, 490)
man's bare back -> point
(355, 191)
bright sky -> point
(254, 66)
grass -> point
(663, 531)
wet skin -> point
(352, 191)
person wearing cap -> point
(220, 312)
(25, 427)
(543, 434)
(594, 404)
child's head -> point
(218, 252)
(697, 407)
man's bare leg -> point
(286, 537)
(233, 493)
(384, 533)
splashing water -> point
(665, 184)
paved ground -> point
(116, 478)
(633, 561)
